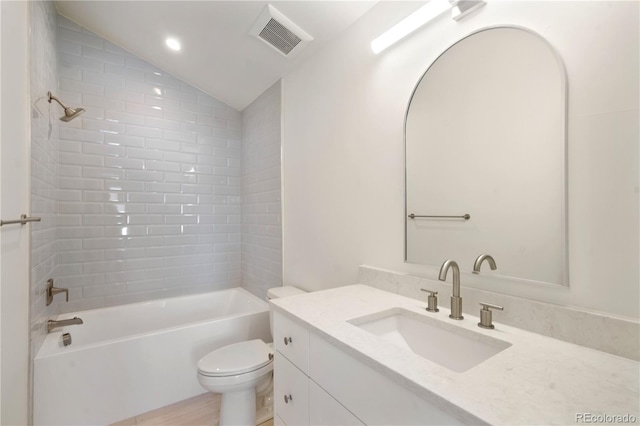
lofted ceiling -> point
(218, 55)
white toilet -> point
(240, 370)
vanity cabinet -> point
(298, 399)
(317, 383)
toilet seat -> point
(238, 358)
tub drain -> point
(66, 339)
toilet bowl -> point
(239, 371)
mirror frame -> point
(565, 140)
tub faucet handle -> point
(52, 291)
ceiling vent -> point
(277, 31)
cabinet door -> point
(292, 340)
(290, 392)
(326, 411)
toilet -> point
(240, 371)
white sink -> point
(449, 345)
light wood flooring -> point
(198, 411)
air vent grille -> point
(279, 32)
(279, 36)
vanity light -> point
(173, 44)
(427, 13)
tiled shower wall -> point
(261, 206)
(149, 180)
(44, 162)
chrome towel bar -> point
(23, 220)
(465, 216)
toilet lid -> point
(235, 359)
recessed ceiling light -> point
(173, 44)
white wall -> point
(343, 120)
(15, 195)
(261, 194)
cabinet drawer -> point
(325, 410)
(366, 393)
(292, 340)
(290, 392)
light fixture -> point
(426, 13)
(462, 8)
(430, 11)
(173, 44)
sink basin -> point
(451, 346)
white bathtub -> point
(130, 359)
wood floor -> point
(198, 411)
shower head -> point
(69, 113)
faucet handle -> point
(485, 315)
(52, 291)
(432, 300)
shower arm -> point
(53, 98)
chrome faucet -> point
(478, 263)
(52, 325)
(456, 300)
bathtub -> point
(130, 359)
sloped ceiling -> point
(218, 55)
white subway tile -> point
(162, 144)
(161, 166)
(163, 102)
(102, 172)
(141, 65)
(181, 177)
(128, 208)
(109, 105)
(103, 196)
(73, 61)
(103, 150)
(69, 133)
(127, 73)
(182, 116)
(179, 136)
(112, 185)
(124, 140)
(135, 176)
(102, 56)
(125, 163)
(123, 95)
(80, 38)
(145, 132)
(162, 123)
(198, 109)
(145, 175)
(102, 79)
(81, 87)
(125, 117)
(104, 126)
(148, 154)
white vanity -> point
(352, 355)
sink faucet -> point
(456, 300)
(478, 263)
(52, 325)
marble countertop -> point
(537, 380)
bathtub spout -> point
(52, 325)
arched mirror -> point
(485, 136)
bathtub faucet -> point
(52, 325)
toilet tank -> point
(278, 292)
